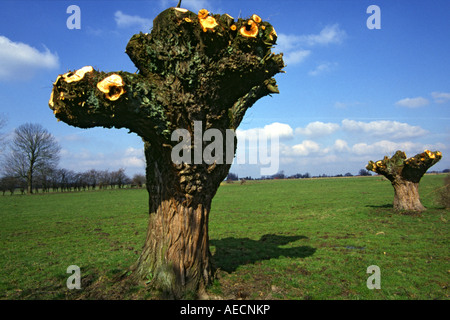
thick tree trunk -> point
(176, 257)
(406, 196)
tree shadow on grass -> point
(233, 252)
(382, 206)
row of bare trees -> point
(63, 180)
(30, 160)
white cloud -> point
(317, 129)
(412, 102)
(287, 42)
(276, 129)
(391, 129)
(305, 148)
(125, 21)
(20, 61)
(281, 130)
(440, 97)
(322, 68)
(386, 147)
(328, 35)
(296, 57)
(341, 146)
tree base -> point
(407, 197)
(175, 260)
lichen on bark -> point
(191, 67)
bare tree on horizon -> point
(32, 148)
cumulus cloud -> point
(20, 61)
(312, 148)
(303, 149)
(386, 147)
(125, 21)
(412, 102)
(276, 129)
(391, 129)
(440, 97)
(340, 146)
(318, 129)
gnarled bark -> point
(406, 197)
(192, 69)
(405, 175)
(176, 250)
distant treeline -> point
(63, 180)
(280, 175)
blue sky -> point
(350, 94)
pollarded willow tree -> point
(195, 70)
(404, 175)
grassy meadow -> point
(278, 239)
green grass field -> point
(280, 239)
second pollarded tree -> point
(405, 174)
